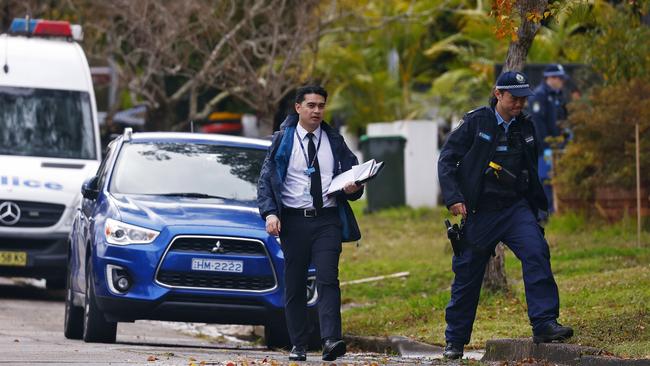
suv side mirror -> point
(90, 189)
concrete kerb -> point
(558, 353)
(401, 346)
(497, 350)
(404, 347)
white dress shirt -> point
(295, 190)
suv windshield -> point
(188, 169)
(48, 123)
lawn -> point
(603, 276)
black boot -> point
(333, 349)
(453, 351)
(552, 332)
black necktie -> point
(316, 189)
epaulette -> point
(477, 109)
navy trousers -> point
(516, 227)
(314, 240)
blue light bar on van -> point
(41, 27)
(20, 25)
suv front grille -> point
(225, 246)
(33, 214)
(219, 247)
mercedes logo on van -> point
(9, 213)
(217, 248)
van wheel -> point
(96, 328)
(73, 323)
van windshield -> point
(47, 123)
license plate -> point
(217, 265)
(13, 259)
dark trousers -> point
(314, 240)
(516, 227)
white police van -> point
(49, 143)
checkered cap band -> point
(517, 86)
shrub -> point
(602, 153)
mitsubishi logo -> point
(217, 248)
(9, 213)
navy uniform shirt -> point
(546, 108)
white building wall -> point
(420, 158)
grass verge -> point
(603, 276)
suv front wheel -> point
(96, 328)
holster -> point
(455, 234)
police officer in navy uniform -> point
(547, 107)
(303, 158)
(488, 174)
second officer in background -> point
(547, 108)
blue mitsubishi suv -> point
(168, 229)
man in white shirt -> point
(302, 160)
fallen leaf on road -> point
(192, 359)
(230, 364)
(15, 340)
(152, 358)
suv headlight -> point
(119, 233)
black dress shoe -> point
(298, 353)
(453, 351)
(333, 349)
(552, 332)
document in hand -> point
(359, 174)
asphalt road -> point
(31, 333)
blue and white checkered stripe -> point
(517, 86)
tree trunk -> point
(518, 49)
(495, 273)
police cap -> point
(555, 70)
(514, 82)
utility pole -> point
(638, 184)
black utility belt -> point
(309, 212)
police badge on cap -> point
(514, 82)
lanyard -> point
(310, 166)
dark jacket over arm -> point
(457, 145)
(267, 202)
